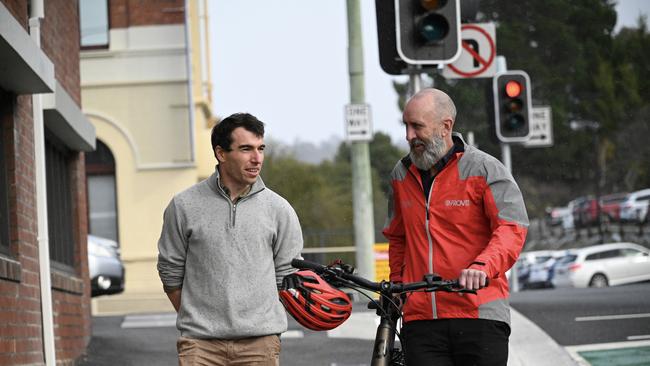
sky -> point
(285, 61)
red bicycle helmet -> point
(313, 302)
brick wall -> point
(128, 13)
(60, 42)
(20, 315)
(19, 10)
(20, 310)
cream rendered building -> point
(148, 95)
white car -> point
(541, 272)
(603, 265)
(635, 207)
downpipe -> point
(36, 16)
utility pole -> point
(364, 226)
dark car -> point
(105, 267)
(584, 211)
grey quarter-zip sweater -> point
(229, 259)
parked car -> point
(610, 206)
(526, 260)
(560, 216)
(603, 265)
(105, 267)
(541, 273)
(635, 207)
(585, 211)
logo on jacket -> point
(457, 203)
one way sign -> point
(541, 128)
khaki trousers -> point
(255, 351)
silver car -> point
(105, 267)
(603, 265)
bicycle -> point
(385, 353)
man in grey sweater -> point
(226, 244)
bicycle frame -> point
(384, 352)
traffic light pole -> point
(364, 226)
(507, 162)
(415, 79)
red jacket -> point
(474, 218)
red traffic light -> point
(513, 89)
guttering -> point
(37, 14)
(190, 91)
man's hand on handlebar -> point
(472, 279)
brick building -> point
(44, 289)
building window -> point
(5, 115)
(102, 197)
(59, 202)
(93, 23)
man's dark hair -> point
(222, 131)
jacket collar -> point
(213, 182)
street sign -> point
(478, 56)
(541, 125)
(358, 124)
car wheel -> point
(598, 280)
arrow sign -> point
(541, 128)
(358, 125)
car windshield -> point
(567, 259)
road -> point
(598, 327)
(576, 316)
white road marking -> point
(611, 317)
(638, 337)
(292, 334)
(149, 321)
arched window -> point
(102, 196)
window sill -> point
(67, 282)
(10, 269)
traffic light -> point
(389, 60)
(512, 106)
(428, 31)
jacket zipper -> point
(434, 310)
(233, 213)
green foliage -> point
(322, 194)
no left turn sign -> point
(478, 56)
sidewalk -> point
(531, 346)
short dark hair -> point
(222, 131)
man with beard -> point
(457, 212)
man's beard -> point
(434, 150)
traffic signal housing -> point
(428, 31)
(512, 106)
(389, 59)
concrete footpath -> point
(531, 346)
(139, 339)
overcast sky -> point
(285, 61)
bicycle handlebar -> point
(430, 282)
